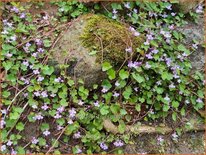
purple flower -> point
(117, 84)
(36, 71)
(4, 32)
(172, 85)
(38, 42)
(173, 14)
(129, 50)
(35, 54)
(37, 93)
(149, 56)
(45, 107)
(167, 98)
(44, 94)
(127, 5)
(116, 94)
(160, 140)
(171, 27)
(34, 141)
(118, 143)
(46, 132)
(28, 44)
(26, 63)
(9, 55)
(114, 11)
(104, 90)
(53, 95)
(169, 7)
(34, 106)
(77, 135)
(70, 121)
(135, 10)
(59, 127)
(15, 9)
(72, 112)
(155, 51)
(22, 15)
(147, 65)
(96, 104)
(134, 64)
(57, 116)
(2, 123)
(135, 33)
(40, 50)
(114, 16)
(150, 37)
(136, 89)
(13, 152)
(174, 136)
(168, 61)
(103, 146)
(3, 148)
(60, 109)
(40, 78)
(78, 150)
(38, 117)
(80, 102)
(58, 80)
(199, 100)
(146, 42)
(195, 46)
(199, 9)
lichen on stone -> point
(109, 38)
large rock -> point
(90, 34)
(195, 31)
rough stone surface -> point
(195, 31)
(71, 48)
(185, 6)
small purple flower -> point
(37, 93)
(44, 94)
(118, 143)
(36, 71)
(96, 104)
(155, 51)
(77, 135)
(2, 123)
(9, 55)
(53, 95)
(40, 50)
(114, 16)
(35, 54)
(160, 140)
(15, 9)
(127, 5)
(59, 127)
(38, 42)
(28, 44)
(60, 109)
(13, 152)
(146, 42)
(195, 46)
(129, 50)
(135, 10)
(40, 78)
(38, 117)
(173, 14)
(136, 89)
(80, 102)
(34, 140)
(57, 116)
(147, 65)
(57, 79)
(34, 106)
(3, 148)
(172, 85)
(150, 37)
(169, 7)
(117, 84)
(26, 63)
(104, 90)
(72, 112)
(46, 132)
(199, 100)
(116, 94)
(171, 27)
(79, 150)
(4, 32)
(149, 56)
(103, 146)
(167, 98)
(70, 121)
(45, 107)
(199, 9)
(114, 11)
(22, 15)
(187, 101)
(175, 136)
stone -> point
(195, 31)
(185, 6)
(90, 40)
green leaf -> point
(44, 126)
(166, 107)
(123, 74)
(7, 65)
(104, 110)
(138, 78)
(127, 92)
(115, 108)
(174, 116)
(20, 126)
(71, 128)
(63, 102)
(47, 70)
(138, 107)
(111, 74)
(93, 52)
(20, 150)
(42, 141)
(175, 104)
(121, 127)
(106, 66)
(166, 75)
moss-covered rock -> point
(90, 40)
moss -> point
(110, 38)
